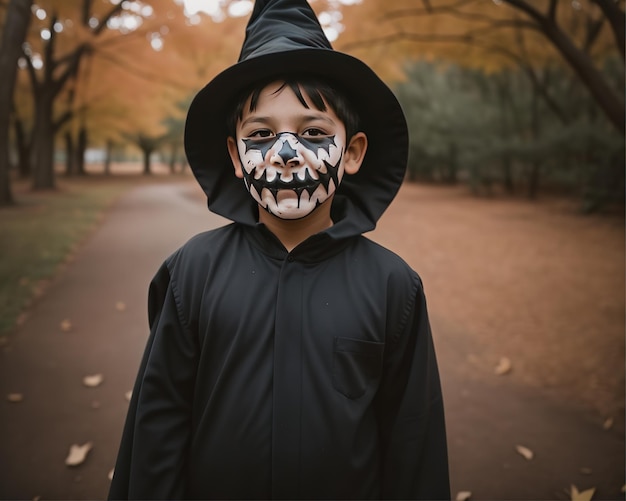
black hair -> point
(318, 91)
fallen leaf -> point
(120, 306)
(503, 367)
(128, 395)
(15, 397)
(66, 325)
(586, 471)
(587, 495)
(525, 451)
(78, 454)
(93, 380)
(463, 495)
(608, 424)
(110, 475)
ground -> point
(536, 282)
(532, 281)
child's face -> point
(292, 158)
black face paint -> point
(312, 143)
(296, 184)
(292, 169)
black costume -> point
(308, 374)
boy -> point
(289, 356)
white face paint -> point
(290, 174)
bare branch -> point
(103, 22)
(617, 21)
(593, 29)
(529, 10)
(32, 73)
(552, 10)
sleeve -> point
(414, 460)
(152, 457)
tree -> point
(13, 36)
(582, 34)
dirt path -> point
(534, 282)
(502, 278)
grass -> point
(41, 232)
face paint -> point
(290, 175)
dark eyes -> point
(261, 134)
(267, 133)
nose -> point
(286, 154)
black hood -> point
(285, 37)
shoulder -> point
(386, 261)
(202, 246)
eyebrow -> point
(305, 118)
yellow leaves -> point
(503, 367)
(15, 398)
(576, 495)
(525, 452)
(93, 380)
(78, 454)
(463, 496)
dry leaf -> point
(66, 325)
(93, 380)
(78, 454)
(608, 424)
(120, 306)
(525, 451)
(15, 397)
(503, 367)
(128, 395)
(463, 495)
(587, 495)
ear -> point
(355, 153)
(234, 156)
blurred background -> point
(512, 210)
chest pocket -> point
(356, 363)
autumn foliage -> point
(111, 73)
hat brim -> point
(380, 117)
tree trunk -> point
(70, 159)
(81, 148)
(451, 175)
(535, 166)
(23, 149)
(146, 162)
(107, 158)
(17, 19)
(173, 155)
(43, 142)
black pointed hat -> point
(285, 37)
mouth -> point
(297, 185)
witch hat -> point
(285, 37)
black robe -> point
(269, 374)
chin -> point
(289, 212)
